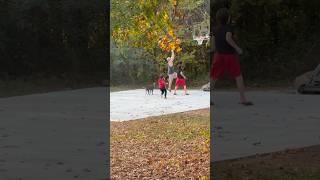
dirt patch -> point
(167, 147)
(199, 112)
(294, 164)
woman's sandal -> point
(248, 103)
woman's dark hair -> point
(222, 16)
(179, 72)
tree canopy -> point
(280, 38)
(141, 23)
(52, 38)
(151, 29)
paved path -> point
(135, 104)
(277, 121)
(59, 135)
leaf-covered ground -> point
(165, 147)
(295, 164)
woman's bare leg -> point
(175, 90)
(170, 83)
(185, 89)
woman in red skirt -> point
(180, 81)
(226, 57)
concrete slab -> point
(277, 121)
(59, 135)
(135, 104)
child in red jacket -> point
(162, 86)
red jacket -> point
(161, 84)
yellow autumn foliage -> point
(170, 42)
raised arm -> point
(232, 43)
(183, 75)
(172, 55)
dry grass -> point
(173, 146)
(295, 164)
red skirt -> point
(180, 82)
(225, 64)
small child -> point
(162, 86)
(180, 81)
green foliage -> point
(51, 38)
(138, 25)
(190, 4)
(131, 65)
(276, 35)
(188, 57)
(141, 23)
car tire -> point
(301, 89)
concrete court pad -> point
(135, 104)
(58, 135)
(277, 121)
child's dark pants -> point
(164, 91)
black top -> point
(221, 44)
(179, 75)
